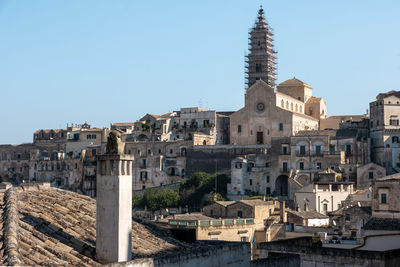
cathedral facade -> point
(269, 111)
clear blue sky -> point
(114, 61)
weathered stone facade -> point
(268, 114)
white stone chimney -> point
(114, 208)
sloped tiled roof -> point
(293, 82)
(54, 227)
(314, 99)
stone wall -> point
(278, 260)
(213, 159)
(215, 255)
(311, 255)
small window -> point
(268, 191)
(251, 182)
(267, 178)
(244, 239)
(159, 151)
(281, 127)
(171, 151)
(395, 139)
(238, 165)
(371, 175)
(318, 149)
(301, 165)
(319, 165)
(383, 198)
(239, 128)
(240, 214)
(325, 207)
(394, 122)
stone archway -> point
(281, 185)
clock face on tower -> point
(260, 107)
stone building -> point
(250, 175)
(63, 157)
(323, 197)
(157, 163)
(367, 173)
(251, 221)
(386, 197)
(349, 219)
(268, 113)
(385, 130)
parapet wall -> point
(215, 254)
(326, 256)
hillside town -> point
(277, 182)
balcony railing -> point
(207, 223)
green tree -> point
(156, 199)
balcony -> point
(179, 223)
(284, 170)
(302, 154)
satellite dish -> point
(359, 204)
(334, 223)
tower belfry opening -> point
(261, 59)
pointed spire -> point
(261, 19)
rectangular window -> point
(348, 149)
(239, 128)
(325, 207)
(371, 175)
(302, 150)
(88, 136)
(301, 165)
(319, 165)
(331, 148)
(383, 198)
(318, 150)
(285, 166)
(268, 179)
(268, 190)
(281, 127)
(394, 122)
(251, 182)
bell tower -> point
(261, 60)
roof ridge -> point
(10, 238)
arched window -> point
(291, 106)
(301, 109)
(297, 109)
(282, 103)
(395, 139)
(287, 104)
